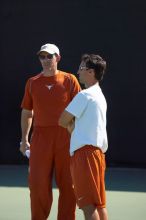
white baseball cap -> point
(49, 48)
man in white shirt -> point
(85, 119)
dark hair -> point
(95, 62)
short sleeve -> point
(74, 86)
(77, 105)
(27, 102)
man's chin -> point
(81, 81)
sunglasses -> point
(43, 57)
(83, 68)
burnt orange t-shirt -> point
(49, 96)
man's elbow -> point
(28, 113)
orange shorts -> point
(88, 171)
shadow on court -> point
(117, 179)
(126, 179)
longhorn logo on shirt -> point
(49, 86)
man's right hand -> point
(24, 145)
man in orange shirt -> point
(46, 96)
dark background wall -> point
(114, 29)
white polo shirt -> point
(89, 108)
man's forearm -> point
(65, 119)
(26, 122)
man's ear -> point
(91, 71)
(58, 58)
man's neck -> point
(92, 83)
(49, 72)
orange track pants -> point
(49, 153)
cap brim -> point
(48, 51)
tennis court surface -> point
(126, 194)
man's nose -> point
(46, 59)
